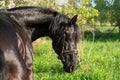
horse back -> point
(15, 68)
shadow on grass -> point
(103, 37)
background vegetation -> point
(99, 22)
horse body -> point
(14, 68)
(30, 23)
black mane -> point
(31, 9)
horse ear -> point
(74, 19)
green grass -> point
(100, 60)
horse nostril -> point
(71, 68)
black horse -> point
(20, 26)
(12, 65)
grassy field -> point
(100, 60)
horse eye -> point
(66, 32)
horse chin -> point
(70, 66)
(70, 63)
(69, 69)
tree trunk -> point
(118, 24)
(119, 29)
(82, 33)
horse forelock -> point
(56, 22)
(58, 25)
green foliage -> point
(86, 14)
(109, 10)
(12, 3)
(115, 11)
(101, 6)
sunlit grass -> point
(102, 63)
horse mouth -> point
(70, 69)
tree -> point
(116, 12)
(101, 6)
(12, 3)
(109, 11)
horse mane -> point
(57, 21)
(33, 14)
(32, 9)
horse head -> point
(65, 43)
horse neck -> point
(40, 26)
(37, 23)
(47, 26)
(41, 30)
